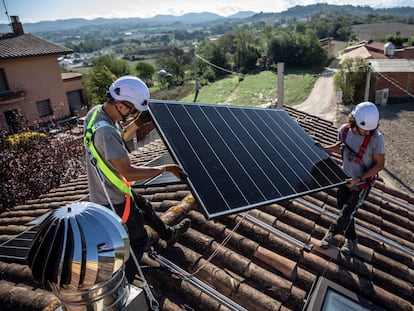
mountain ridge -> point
(296, 12)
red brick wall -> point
(407, 53)
(404, 80)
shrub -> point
(21, 140)
(31, 165)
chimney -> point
(17, 26)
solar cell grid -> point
(238, 158)
(16, 249)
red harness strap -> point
(364, 145)
(127, 209)
(369, 182)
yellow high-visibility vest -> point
(119, 182)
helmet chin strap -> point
(124, 117)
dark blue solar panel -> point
(238, 158)
(16, 249)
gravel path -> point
(396, 124)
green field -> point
(255, 89)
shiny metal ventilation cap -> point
(77, 246)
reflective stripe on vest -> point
(121, 183)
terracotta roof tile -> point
(27, 45)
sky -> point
(49, 10)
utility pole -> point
(195, 75)
(280, 84)
(367, 83)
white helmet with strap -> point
(131, 89)
(366, 116)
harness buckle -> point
(94, 161)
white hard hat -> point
(131, 89)
(366, 116)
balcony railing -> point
(13, 94)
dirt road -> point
(322, 100)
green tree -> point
(350, 78)
(267, 33)
(246, 58)
(297, 49)
(97, 82)
(314, 54)
(282, 48)
(215, 54)
(175, 70)
(119, 67)
(247, 53)
(145, 71)
(396, 39)
(105, 70)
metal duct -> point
(80, 251)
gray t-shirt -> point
(109, 145)
(354, 142)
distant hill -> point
(74, 23)
(189, 18)
(328, 10)
(207, 19)
(243, 14)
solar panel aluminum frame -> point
(186, 151)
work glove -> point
(176, 170)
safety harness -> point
(370, 182)
(119, 182)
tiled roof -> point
(71, 75)
(392, 65)
(257, 269)
(365, 53)
(27, 45)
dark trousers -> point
(141, 212)
(347, 201)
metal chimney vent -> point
(80, 251)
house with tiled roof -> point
(369, 49)
(394, 80)
(266, 259)
(391, 67)
(32, 89)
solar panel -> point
(239, 158)
(17, 249)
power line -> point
(5, 9)
(218, 67)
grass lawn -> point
(255, 89)
(214, 93)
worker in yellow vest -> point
(110, 170)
